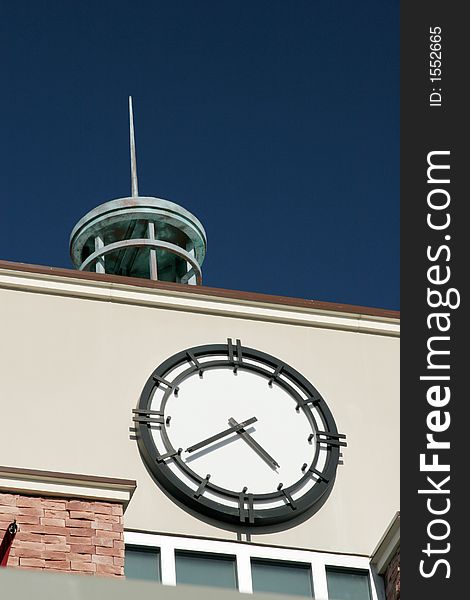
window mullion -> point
(245, 584)
(320, 585)
(167, 561)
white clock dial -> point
(204, 407)
(238, 435)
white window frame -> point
(244, 552)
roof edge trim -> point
(204, 291)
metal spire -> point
(134, 182)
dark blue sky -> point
(275, 123)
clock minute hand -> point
(254, 444)
(232, 429)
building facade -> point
(160, 430)
(78, 350)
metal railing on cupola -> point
(140, 236)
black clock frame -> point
(245, 515)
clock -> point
(238, 436)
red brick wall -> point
(64, 535)
(392, 578)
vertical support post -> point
(99, 268)
(192, 280)
(153, 252)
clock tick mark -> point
(162, 457)
(146, 416)
(202, 486)
(289, 499)
(331, 439)
(275, 375)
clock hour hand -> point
(232, 429)
(254, 444)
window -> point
(281, 578)
(249, 567)
(197, 568)
(142, 563)
(348, 584)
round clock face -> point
(238, 435)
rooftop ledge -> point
(69, 485)
(234, 303)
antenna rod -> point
(134, 183)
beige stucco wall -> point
(72, 369)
